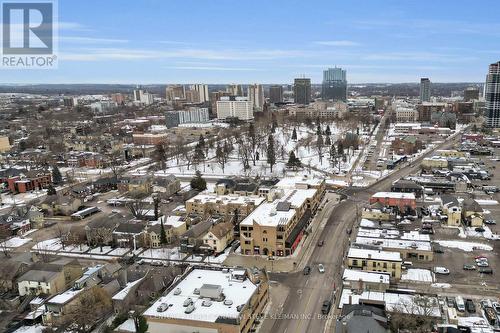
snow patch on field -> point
(418, 275)
(15, 242)
(464, 246)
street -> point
(301, 310)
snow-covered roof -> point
(64, 297)
(374, 254)
(227, 199)
(237, 291)
(268, 215)
(394, 195)
(356, 275)
(395, 243)
(293, 182)
(394, 302)
(124, 292)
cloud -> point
(214, 68)
(336, 43)
(98, 54)
(90, 40)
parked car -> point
(325, 308)
(482, 263)
(307, 270)
(321, 243)
(468, 267)
(460, 303)
(441, 270)
(469, 305)
(321, 268)
(450, 301)
(479, 229)
(490, 222)
(486, 270)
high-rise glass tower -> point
(425, 90)
(492, 96)
(334, 85)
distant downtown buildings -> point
(334, 86)
(492, 96)
(302, 91)
(425, 90)
(276, 94)
(255, 94)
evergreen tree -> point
(293, 161)
(199, 155)
(340, 148)
(328, 141)
(56, 175)
(271, 153)
(51, 190)
(140, 323)
(198, 183)
(201, 141)
(318, 130)
(294, 134)
(328, 131)
(163, 234)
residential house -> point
(130, 234)
(10, 270)
(49, 278)
(451, 207)
(174, 227)
(193, 238)
(61, 205)
(166, 186)
(135, 184)
(218, 237)
(105, 184)
(99, 231)
(12, 224)
(472, 213)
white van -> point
(407, 263)
(441, 270)
(460, 303)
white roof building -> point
(373, 254)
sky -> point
(270, 41)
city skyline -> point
(223, 45)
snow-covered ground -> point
(418, 275)
(164, 253)
(30, 329)
(304, 148)
(15, 242)
(464, 246)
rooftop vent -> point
(228, 302)
(177, 291)
(206, 303)
(196, 291)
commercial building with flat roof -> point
(210, 300)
